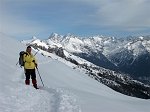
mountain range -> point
(129, 55)
(113, 62)
(67, 85)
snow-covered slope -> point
(66, 90)
(129, 55)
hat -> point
(28, 47)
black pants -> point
(30, 73)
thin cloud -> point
(83, 16)
(18, 26)
(127, 15)
(123, 13)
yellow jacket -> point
(29, 61)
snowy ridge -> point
(17, 97)
(137, 48)
(125, 55)
(67, 90)
(119, 82)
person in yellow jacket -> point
(30, 64)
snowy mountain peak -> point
(54, 35)
(97, 38)
(54, 40)
(34, 38)
(68, 35)
(136, 47)
(141, 38)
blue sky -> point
(23, 19)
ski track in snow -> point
(43, 100)
(64, 100)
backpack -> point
(21, 62)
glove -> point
(36, 65)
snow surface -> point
(72, 44)
(66, 90)
(137, 48)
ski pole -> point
(17, 63)
(36, 51)
(40, 76)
